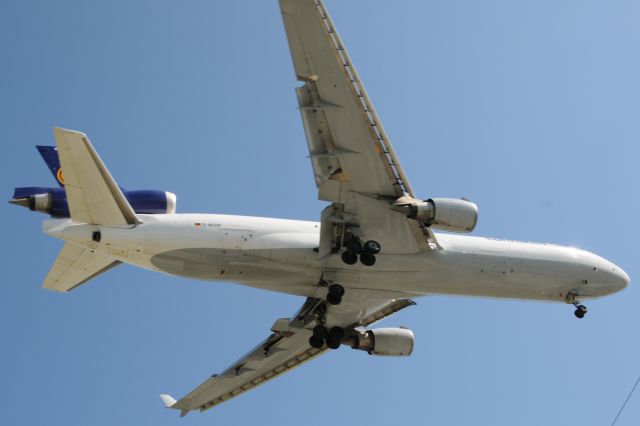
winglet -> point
(167, 400)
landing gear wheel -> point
(333, 343)
(354, 245)
(333, 300)
(336, 333)
(349, 257)
(372, 247)
(316, 342)
(320, 331)
(580, 311)
(336, 290)
(367, 259)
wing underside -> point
(286, 348)
(358, 172)
(354, 164)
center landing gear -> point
(334, 297)
(581, 310)
(367, 252)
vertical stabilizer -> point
(50, 156)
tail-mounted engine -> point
(447, 214)
(384, 341)
(53, 201)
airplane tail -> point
(94, 198)
(50, 156)
(93, 195)
(75, 266)
(53, 200)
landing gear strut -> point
(366, 250)
(581, 310)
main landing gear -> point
(581, 310)
(367, 252)
(322, 335)
(331, 336)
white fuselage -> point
(281, 255)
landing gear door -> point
(327, 233)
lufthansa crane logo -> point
(60, 177)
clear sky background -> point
(529, 108)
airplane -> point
(374, 249)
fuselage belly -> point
(281, 255)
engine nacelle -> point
(448, 214)
(53, 201)
(385, 341)
(147, 201)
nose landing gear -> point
(580, 311)
(572, 298)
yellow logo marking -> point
(60, 177)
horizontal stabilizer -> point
(75, 266)
(92, 193)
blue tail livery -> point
(53, 200)
(50, 156)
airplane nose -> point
(622, 279)
(612, 277)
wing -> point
(75, 266)
(286, 348)
(354, 164)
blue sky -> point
(530, 109)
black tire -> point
(316, 342)
(354, 245)
(578, 313)
(372, 247)
(320, 331)
(333, 299)
(336, 290)
(367, 259)
(349, 257)
(582, 308)
(333, 343)
(336, 333)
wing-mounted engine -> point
(447, 214)
(384, 341)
